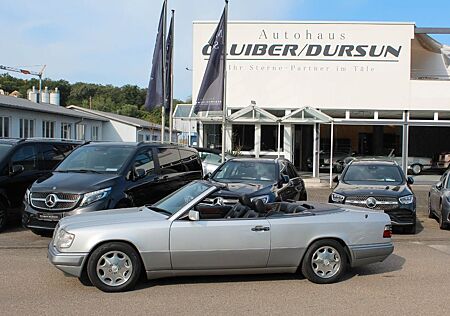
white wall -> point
(16, 114)
(348, 82)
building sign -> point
(323, 65)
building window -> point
(66, 129)
(140, 138)
(147, 138)
(26, 128)
(212, 136)
(154, 138)
(94, 134)
(48, 129)
(269, 137)
(243, 137)
(81, 132)
(4, 126)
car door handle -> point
(260, 228)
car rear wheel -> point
(325, 262)
(416, 169)
(114, 267)
(442, 223)
(3, 214)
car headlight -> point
(337, 198)
(91, 197)
(408, 199)
(264, 198)
(27, 196)
(63, 239)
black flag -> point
(210, 95)
(155, 86)
(169, 65)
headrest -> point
(259, 206)
(245, 200)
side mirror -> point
(194, 215)
(410, 180)
(207, 176)
(439, 185)
(336, 179)
(16, 169)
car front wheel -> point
(416, 169)
(325, 262)
(114, 267)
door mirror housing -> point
(16, 169)
(439, 185)
(207, 176)
(194, 215)
(284, 178)
(336, 179)
(410, 180)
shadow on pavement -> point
(391, 264)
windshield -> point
(246, 171)
(4, 148)
(178, 199)
(373, 174)
(101, 159)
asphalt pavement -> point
(414, 280)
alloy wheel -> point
(326, 262)
(114, 268)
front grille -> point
(62, 201)
(383, 203)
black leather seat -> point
(239, 209)
(258, 208)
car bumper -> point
(69, 263)
(402, 216)
(47, 220)
(365, 254)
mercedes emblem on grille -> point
(50, 200)
(371, 202)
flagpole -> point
(163, 108)
(171, 77)
(224, 91)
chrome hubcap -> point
(114, 268)
(326, 262)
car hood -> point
(124, 216)
(375, 190)
(236, 189)
(74, 182)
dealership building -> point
(295, 88)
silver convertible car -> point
(188, 234)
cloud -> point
(111, 42)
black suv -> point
(99, 176)
(259, 178)
(22, 161)
(381, 185)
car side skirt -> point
(365, 254)
(151, 275)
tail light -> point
(387, 233)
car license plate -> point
(49, 217)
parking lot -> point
(414, 280)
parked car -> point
(439, 201)
(378, 185)
(415, 164)
(324, 160)
(177, 236)
(22, 161)
(101, 176)
(442, 161)
(259, 178)
(211, 158)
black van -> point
(99, 176)
(22, 161)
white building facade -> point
(294, 88)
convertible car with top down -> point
(186, 234)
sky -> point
(112, 41)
